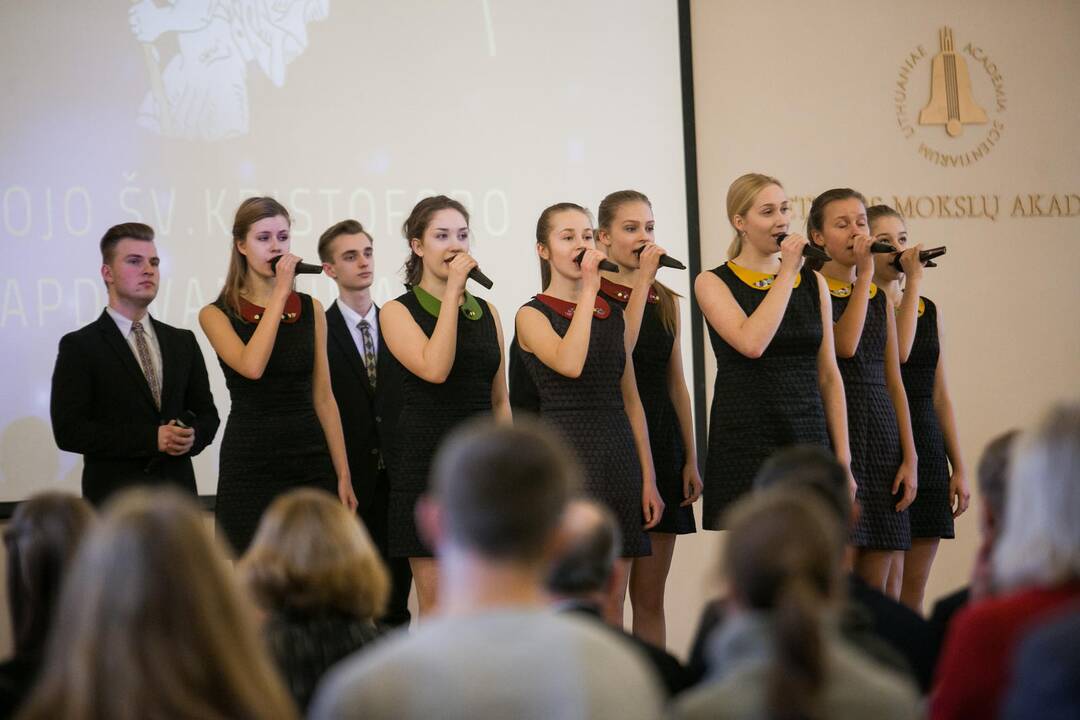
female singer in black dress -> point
(450, 346)
(943, 495)
(651, 314)
(770, 323)
(284, 430)
(575, 350)
(883, 457)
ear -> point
(429, 521)
(543, 251)
(740, 223)
(817, 238)
(106, 273)
(417, 246)
(329, 270)
(602, 236)
(241, 247)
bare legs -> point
(426, 576)
(648, 578)
(613, 609)
(916, 571)
(873, 566)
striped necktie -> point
(143, 348)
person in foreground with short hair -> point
(123, 383)
(151, 624)
(779, 653)
(583, 574)
(1036, 569)
(314, 570)
(494, 650)
(366, 380)
(41, 541)
(882, 627)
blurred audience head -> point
(783, 559)
(813, 468)
(498, 493)
(590, 544)
(41, 540)
(992, 474)
(311, 554)
(152, 624)
(1040, 541)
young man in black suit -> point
(367, 387)
(123, 385)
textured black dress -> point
(931, 513)
(875, 436)
(273, 439)
(762, 405)
(431, 410)
(588, 413)
(652, 354)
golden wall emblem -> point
(955, 101)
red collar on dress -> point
(600, 311)
(622, 292)
(252, 313)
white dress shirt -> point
(352, 320)
(151, 339)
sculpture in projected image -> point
(197, 53)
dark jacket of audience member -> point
(41, 540)
(313, 568)
(151, 624)
(779, 653)
(581, 578)
(1036, 569)
(1046, 672)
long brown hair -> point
(41, 541)
(740, 198)
(152, 625)
(815, 219)
(609, 208)
(250, 212)
(543, 228)
(416, 225)
(312, 554)
(783, 557)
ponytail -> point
(798, 672)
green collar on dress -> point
(471, 308)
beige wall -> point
(807, 92)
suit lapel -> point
(116, 341)
(339, 332)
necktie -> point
(369, 351)
(143, 348)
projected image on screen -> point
(171, 113)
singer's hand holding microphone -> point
(461, 267)
(592, 261)
(792, 251)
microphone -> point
(186, 419)
(926, 257)
(480, 278)
(604, 264)
(881, 247)
(302, 268)
(810, 250)
(665, 260)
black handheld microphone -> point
(926, 257)
(302, 268)
(881, 247)
(810, 251)
(665, 260)
(480, 278)
(604, 264)
(186, 419)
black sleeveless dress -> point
(652, 354)
(762, 405)
(931, 513)
(273, 440)
(431, 410)
(872, 427)
(588, 413)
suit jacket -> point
(368, 417)
(102, 407)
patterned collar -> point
(622, 293)
(250, 312)
(755, 279)
(600, 311)
(842, 289)
(471, 308)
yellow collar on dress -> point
(841, 289)
(922, 306)
(755, 279)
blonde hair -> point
(609, 208)
(740, 198)
(151, 624)
(250, 212)
(310, 553)
(1040, 542)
